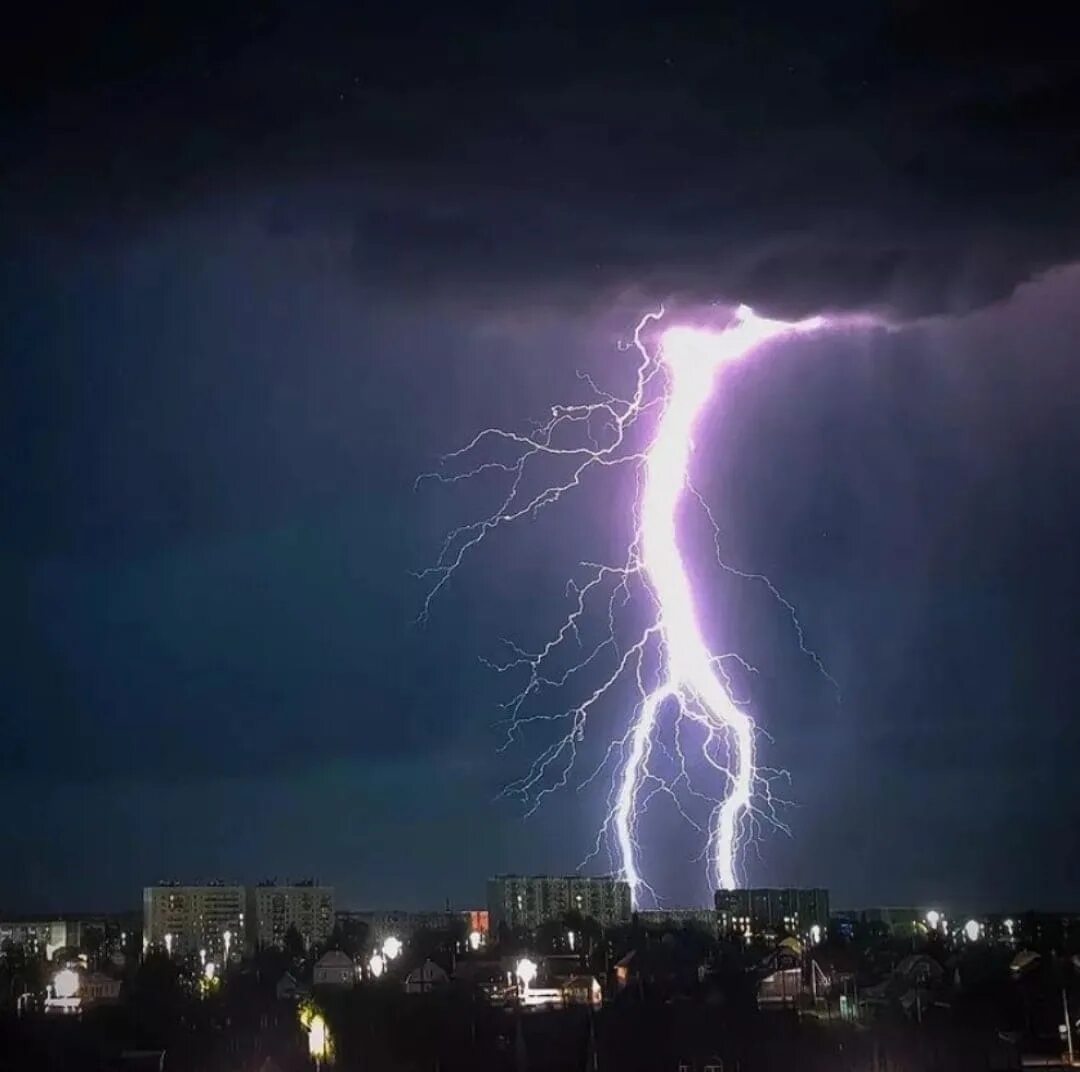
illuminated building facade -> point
(182, 920)
(41, 937)
(305, 906)
(790, 910)
(702, 918)
(387, 923)
(523, 902)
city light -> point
(318, 1038)
(209, 968)
(227, 939)
(570, 938)
(526, 971)
(815, 933)
(168, 944)
(320, 1044)
(377, 965)
(1010, 926)
(391, 948)
(66, 983)
(933, 918)
(475, 938)
(202, 956)
(971, 930)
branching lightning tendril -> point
(668, 659)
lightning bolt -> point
(668, 660)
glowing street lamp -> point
(475, 938)
(209, 968)
(391, 948)
(320, 1045)
(1010, 927)
(526, 972)
(377, 965)
(168, 945)
(227, 939)
(66, 983)
(971, 930)
(933, 918)
(815, 933)
(202, 957)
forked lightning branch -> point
(666, 660)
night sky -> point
(260, 269)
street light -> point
(526, 972)
(227, 939)
(475, 938)
(971, 930)
(209, 968)
(318, 1039)
(377, 965)
(168, 945)
(391, 948)
(933, 918)
(202, 956)
(66, 983)
(815, 933)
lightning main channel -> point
(668, 660)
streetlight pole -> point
(1068, 1023)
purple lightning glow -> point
(669, 660)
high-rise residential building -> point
(399, 923)
(702, 918)
(523, 902)
(101, 934)
(305, 906)
(780, 911)
(40, 937)
(183, 920)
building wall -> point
(197, 917)
(526, 901)
(40, 937)
(788, 910)
(310, 909)
(478, 920)
(704, 918)
(386, 923)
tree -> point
(93, 942)
(293, 944)
(350, 936)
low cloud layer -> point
(909, 158)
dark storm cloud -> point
(912, 158)
(259, 269)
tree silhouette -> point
(293, 944)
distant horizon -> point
(942, 905)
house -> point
(96, 988)
(661, 970)
(581, 990)
(429, 976)
(334, 969)
(783, 987)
